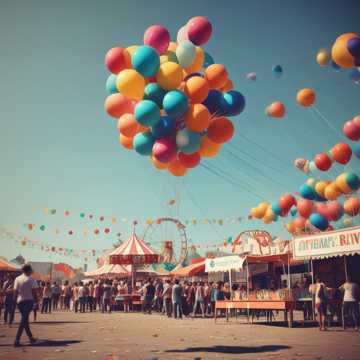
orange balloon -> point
(128, 126)
(332, 192)
(197, 118)
(172, 46)
(276, 109)
(196, 89)
(269, 215)
(208, 148)
(216, 75)
(306, 97)
(342, 185)
(228, 86)
(126, 142)
(159, 165)
(291, 227)
(118, 104)
(352, 206)
(198, 61)
(340, 53)
(220, 130)
(256, 213)
(176, 168)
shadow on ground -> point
(49, 343)
(231, 349)
(58, 322)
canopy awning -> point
(224, 263)
(7, 266)
(327, 244)
(108, 269)
(283, 258)
(191, 270)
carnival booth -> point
(8, 268)
(195, 271)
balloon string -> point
(328, 123)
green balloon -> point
(42, 227)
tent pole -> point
(312, 285)
(247, 290)
(345, 268)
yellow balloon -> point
(269, 216)
(339, 52)
(198, 61)
(342, 185)
(208, 148)
(332, 192)
(263, 208)
(255, 213)
(323, 57)
(320, 188)
(311, 181)
(131, 84)
(169, 75)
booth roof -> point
(191, 270)
(7, 266)
(283, 258)
(108, 269)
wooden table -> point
(284, 305)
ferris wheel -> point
(169, 236)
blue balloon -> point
(307, 192)
(319, 221)
(293, 212)
(233, 103)
(277, 71)
(208, 60)
(155, 93)
(111, 84)
(353, 181)
(146, 61)
(356, 151)
(354, 75)
(164, 127)
(147, 113)
(276, 208)
(143, 143)
(215, 102)
(188, 141)
(175, 103)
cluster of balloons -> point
(171, 99)
(345, 51)
(264, 212)
(340, 153)
(351, 129)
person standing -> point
(149, 296)
(55, 295)
(9, 310)
(167, 295)
(75, 298)
(82, 297)
(351, 302)
(199, 299)
(177, 295)
(25, 295)
(106, 297)
(319, 291)
(46, 299)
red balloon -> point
(323, 210)
(117, 59)
(341, 153)
(352, 130)
(199, 30)
(107, 231)
(323, 161)
(305, 207)
(189, 160)
(300, 222)
(336, 210)
(286, 202)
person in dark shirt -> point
(149, 295)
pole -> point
(289, 277)
(230, 279)
(247, 290)
(312, 285)
(345, 267)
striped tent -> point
(133, 252)
(109, 270)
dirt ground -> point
(120, 336)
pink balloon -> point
(117, 59)
(323, 210)
(351, 130)
(164, 150)
(304, 207)
(336, 210)
(300, 222)
(158, 37)
(199, 30)
(182, 34)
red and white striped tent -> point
(109, 270)
(133, 252)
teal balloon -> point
(233, 103)
(293, 212)
(82, 215)
(155, 93)
(53, 211)
(312, 166)
(307, 192)
(356, 151)
(175, 103)
(146, 61)
(147, 113)
(185, 53)
(275, 207)
(111, 84)
(277, 71)
(188, 141)
(208, 60)
(42, 227)
(353, 181)
(319, 221)
(172, 57)
(143, 143)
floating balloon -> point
(198, 61)
(286, 202)
(117, 105)
(305, 207)
(307, 192)
(320, 188)
(319, 221)
(208, 148)
(111, 84)
(215, 102)
(199, 30)
(175, 103)
(189, 160)
(176, 168)
(276, 208)
(159, 165)
(216, 75)
(164, 128)
(143, 143)
(233, 103)
(185, 53)
(197, 118)
(155, 93)
(306, 97)
(323, 161)
(340, 52)
(342, 184)
(128, 125)
(169, 76)
(323, 57)
(182, 34)
(323, 210)
(220, 130)
(352, 206)
(146, 61)
(164, 150)
(197, 89)
(300, 223)
(228, 86)
(353, 181)
(277, 71)
(251, 76)
(302, 165)
(341, 153)
(126, 142)
(332, 192)
(351, 130)
(291, 227)
(336, 210)
(208, 60)
(147, 113)
(131, 84)
(276, 109)
(187, 141)
(117, 59)
(157, 37)
(357, 151)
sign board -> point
(327, 244)
(224, 263)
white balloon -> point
(182, 138)
(251, 76)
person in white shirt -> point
(25, 295)
(351, 302)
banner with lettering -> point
(327, 244)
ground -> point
(118, 336)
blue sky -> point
(59, 149)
